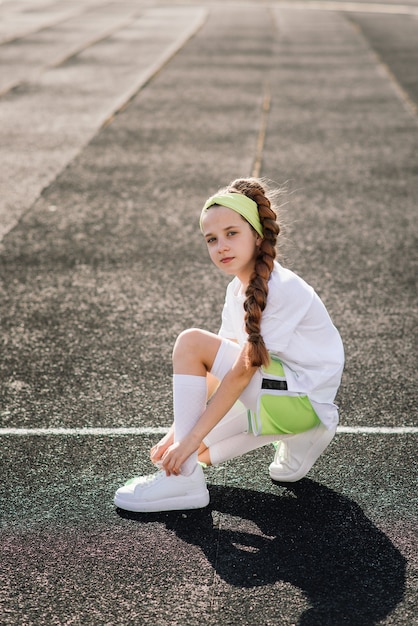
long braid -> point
(257, 290)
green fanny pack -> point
(280, 411)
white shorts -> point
(259, 412)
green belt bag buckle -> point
(280, 411)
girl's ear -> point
(258, 240)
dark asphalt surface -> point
(102, 265)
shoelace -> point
(144, 481)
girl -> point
(276, 365)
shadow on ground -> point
(309, 536)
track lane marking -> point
(123, 431)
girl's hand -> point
(175, 455)
(158, 450)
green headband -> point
(239, 203)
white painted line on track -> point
(377, 430)
(31, 432)
(83, 431)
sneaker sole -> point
(182, 503)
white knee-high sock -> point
(189, 402)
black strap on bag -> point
(276, 385)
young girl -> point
(271, 373)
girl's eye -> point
(231, 233)
(210, 240)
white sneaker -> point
(159, 492)
(296, 454)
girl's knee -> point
(193, 338)
(188, 339)
(195, 346)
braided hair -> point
(257, 290)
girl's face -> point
(232, 243)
